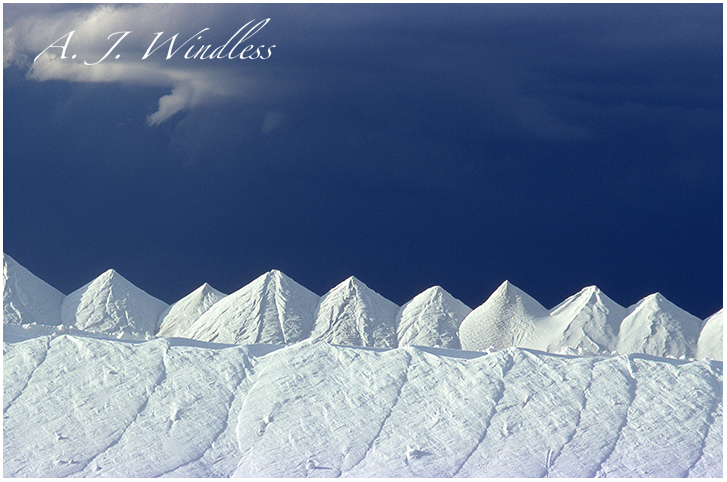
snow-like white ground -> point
(81, 406)
(80, 402)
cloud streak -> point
(506, 68)
(92, 36)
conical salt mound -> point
(710, 343)
(431, 318)
(586, 323)
(353, 314)
(656, 326)
(27, 298)
(179, 317)
(510, 317)
(111, 304)
(271, 309)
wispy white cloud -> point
(89, 34)
(507, 70)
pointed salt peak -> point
(505, 289)
(591, 291)
(206, 288)
(434, 291)
(279, 278)
(588, 293)
(505, 286)
(429, 294)
(592, 294)
(269, 278)
(508, 290)
(439, 292)
(110, 275)
(588, 296)
(661, 301)
(262, 281)
(656, 297)
(509, 295)
(199, 290)
(342, 286)
(657, 301)
(352, 284)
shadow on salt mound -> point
(28, 331)
(258, 349)
(470, 355)
(671, 361)
(364, 348)
(449, 352)
(181, 341)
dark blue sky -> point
(557, 146)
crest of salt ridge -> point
(274, 309)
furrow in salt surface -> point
(710, 463)
(629, 372)
(554, 455)
(444, 406)
(223, 454)
(496, 399)
(607, 400)
(185, 414)
(20, 360)
(668, 419)
(716, 412)
(78, 403)
(315, 409)
(536, 416)
(93, 465)
(221, 458)
(386, 418)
